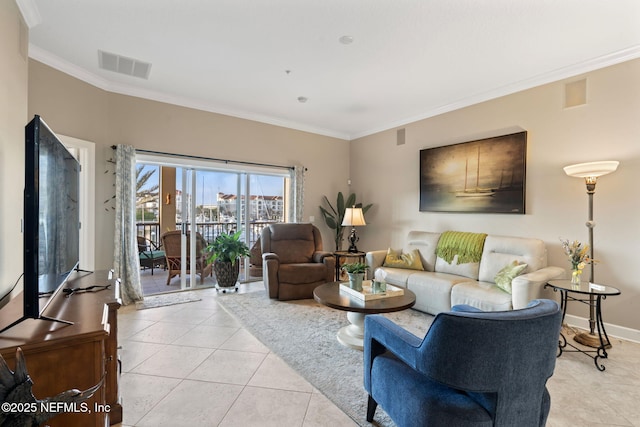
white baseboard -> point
(621, 332)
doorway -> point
(199, 202)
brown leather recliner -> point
(293, 261)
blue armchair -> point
(472, 368)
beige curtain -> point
(126, 263)
(296, 194)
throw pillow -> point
(397, 259)
(507, 274)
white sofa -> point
(443, 285)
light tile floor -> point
(156, 283)
(194, 365)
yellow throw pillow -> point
(397, 259)
(507, 274)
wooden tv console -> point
(60, 357)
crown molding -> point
(30, 12)
(563, 73)
(59, 64)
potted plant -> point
(225, 251)
(355, 271)
(334, 215)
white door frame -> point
(86, 156)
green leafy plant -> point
(334, 215)
(228, 248)
(355, 267)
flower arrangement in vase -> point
(578, 255)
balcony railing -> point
(208, 230)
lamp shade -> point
(353, 217)
(591, 169)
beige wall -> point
(13, 118)
(381, 172)
(606, 128)
(77, 109)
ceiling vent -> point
(123, 65)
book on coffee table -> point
(367, 293)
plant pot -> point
(355, 281)
(226, 273)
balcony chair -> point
(472, 368)
(171, 242)
(150, 254)
(293, 261)
(255, 260)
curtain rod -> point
(189, 156)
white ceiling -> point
(410, 59)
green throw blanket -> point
(468, 246)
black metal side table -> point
(347, 254)
(589, 294)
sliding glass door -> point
(208, 202)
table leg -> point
(590, 339)
(353, 335)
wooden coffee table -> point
(353, 335)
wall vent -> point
(123, 65)
(575, 93)
(400, 135)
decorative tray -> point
(367, 293)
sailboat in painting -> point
(476, 191)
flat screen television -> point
(51, 222)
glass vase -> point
(576, 276)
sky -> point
(209, 184)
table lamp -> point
(590, 172)
(353, 217)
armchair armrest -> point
(527, 287)
(464, 308)
(319, 256)
(329, 261)
(270, 256)
(270, 267)
(381, 334)
(375, 259)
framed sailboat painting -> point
(482, 176)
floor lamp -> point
(590, 172)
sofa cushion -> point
(397, 259)
(395, 276)
(483, 295)
(433, 290)
(506, 275)
(502, 250)
(469, 269)
(426, 242)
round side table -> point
(591, 295)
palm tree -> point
(145, 194)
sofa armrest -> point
(528, 287)
(375, 259)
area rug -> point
(303, 334)
(169, 298)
